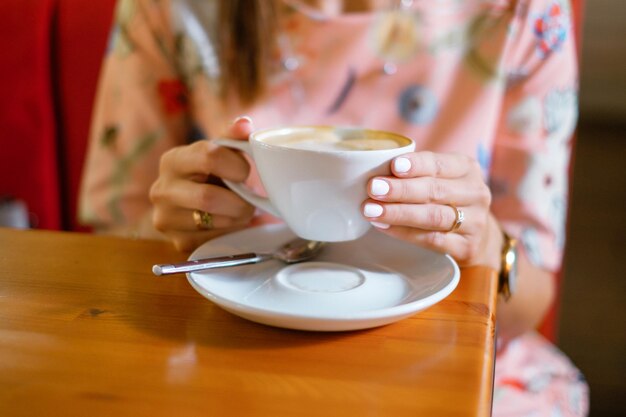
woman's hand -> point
(417, 203)
(184, 186)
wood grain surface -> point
(87, 330)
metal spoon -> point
(296, 250)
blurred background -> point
(592, 323)
(51, 53)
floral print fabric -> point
(494, 79)
(534, 379)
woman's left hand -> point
(419, 204)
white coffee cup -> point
(316, 176)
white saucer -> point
(365, 283)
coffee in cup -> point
(329, 140)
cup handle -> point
(243, 191)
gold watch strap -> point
(508, 266)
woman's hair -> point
(246, 35)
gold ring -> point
(203, 220)
(458, 219)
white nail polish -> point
(379, 187)
(401, 165)
(379, 225)
(372, 210)
(241, 119)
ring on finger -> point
(203, 220)
(459, 217)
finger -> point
(188, 241)
(182, 220)
(431, 164)
(434, 217)
(241, 128)
(205, 197)
(203, 158)
(457, 246)
(428, 190)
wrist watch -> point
(507, 279)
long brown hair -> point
(246, 38)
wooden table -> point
(87, 330)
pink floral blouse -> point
(495, 79)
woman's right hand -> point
(183, 186)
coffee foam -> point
(323, 140)
(368, 144)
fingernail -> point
(379, 187)
(401, 165)
(372, 210)
(379, 225)
(242, 118)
